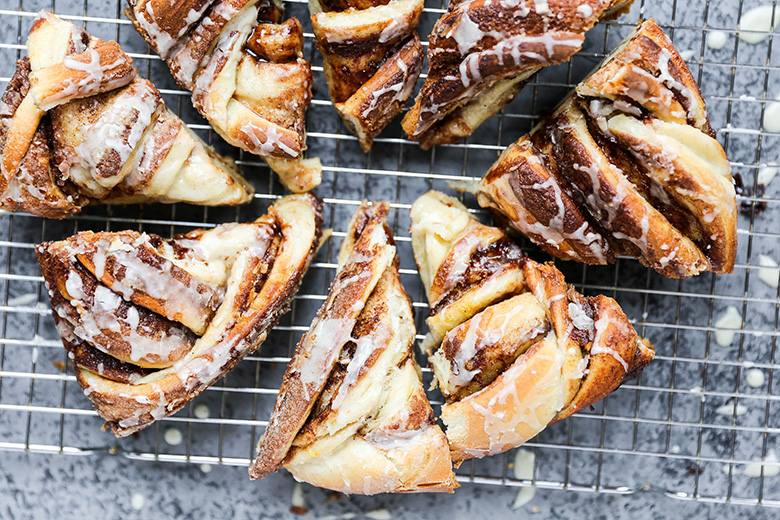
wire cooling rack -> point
(663, 432)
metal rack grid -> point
(661, 432)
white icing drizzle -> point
(460, 258)
(730, 319)
(767, 173)
(95, 76)
(173, 436)
(479, 337)
(755, 378)
(391, 31)
(554, 233)
(119, 129)
(395, 439)
(541, 7)
(164, 42)
(333, 333)
(297, 500)
(716, 40)
(201, 411)
(580, 318)
(467, 34)
(770, 466)
(612, 208)
(585, 10)
(598, 347)
(22, 299)
(401, 89)
(769, 273)
(469, 67)
(499, 427)
(146, 344)
(137, 501)
(665, 76)
(731, 408)
(760, 20)
(272, 142)
(523, 469)
(365, 346)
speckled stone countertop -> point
(45, 486)
(658, 427)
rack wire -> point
(661, 432)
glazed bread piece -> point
(79, 127)
(246, 72)
(372, 58)
(482, 53)
(627, 164)
(151, 323)
(351, 414)
(511, 358)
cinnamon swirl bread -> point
(151, 323)
(627, 164)
(482, 52)
(78, 127)
(351, 414)
(372, 57)
(513, 347)
(246, 72)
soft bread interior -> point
(256, 294)
(367, 426)
(537, 353)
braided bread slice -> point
(78, 127)
(627, 164)
(150, 323)
(482, 52)
(246, 72)
(372, 58)
(352, 414)
(514, 347)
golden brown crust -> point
(512, 409)
(372, 57)
(535, 355)
(369, 110)
(629, 157)
(317, 352)
(77, 126)
(101, 68)
(532, 202)
(29, 181)
(259, 266)
(107, 255)
(483, 52)
(352, 415)
(246, 72)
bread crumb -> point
(297, 502)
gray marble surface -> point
(44, 486)
(646, 439)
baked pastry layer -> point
(78, 127)
(482, 52)
(352, 414)
(512, 346)
(151, 323)
(246, 72)
(372, 58)
(627, 164)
